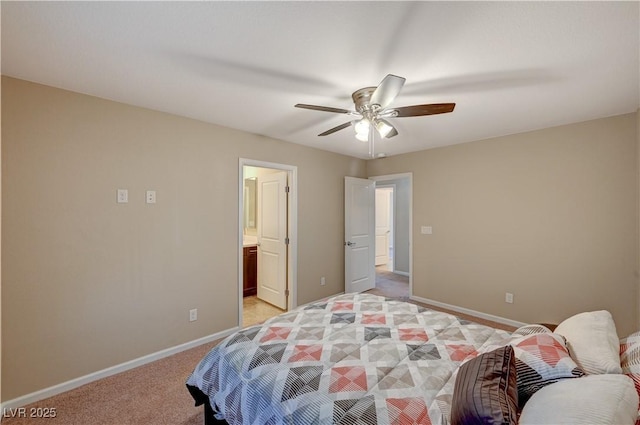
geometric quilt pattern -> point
(344, 351)
(383, 353)
(630, 361)
(306, 352)
(354, 359)
(407, 411)
(459, 352)
(301, 380)
(266, 354)
(541, 359)
(276, 333)
(359, 411)
(348, 378)
(372, 333)
(395, 377)
(413, 334)
(423, 352)
(373, 319)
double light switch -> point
(122, 196)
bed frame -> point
(209, 419)
(202, 399)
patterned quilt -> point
(353, 359)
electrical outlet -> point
(123, 196)
(151, 197)
(193, 315)
(322, 281)
(508, 298)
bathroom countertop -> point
(249, 241)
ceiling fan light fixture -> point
(383, 128)
(362, 129)
(363, 137)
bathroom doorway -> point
(267, 240)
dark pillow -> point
(486, 390)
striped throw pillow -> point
(485, 390)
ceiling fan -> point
(372, 111)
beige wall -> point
(550, 216)
(88, 283)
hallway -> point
(390, 285)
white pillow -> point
(593, 342)
(592, 399)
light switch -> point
(426, 230)
(151, 196)
(122, 196)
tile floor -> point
(255, 311)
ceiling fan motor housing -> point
(361, 99)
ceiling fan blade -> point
(428, 109)
(387, 90)
(323, 108)
(390, 133)
(334, 129)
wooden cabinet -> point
(250, 270)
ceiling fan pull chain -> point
(371, 145)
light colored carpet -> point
(148, 395)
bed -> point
(361, 359)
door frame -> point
(292, 209)
(399, 176)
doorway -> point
(267, 230)
(394, 259)
(385, 224)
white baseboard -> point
(401, 273)
(77, 382)
(475, 313)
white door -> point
(272, 233)
(383, 224)
(359, 234)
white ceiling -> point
(509, 66)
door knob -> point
(350, 243)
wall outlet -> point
(193, 315)
(151, 197)
(508, 298)
(323, 281)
